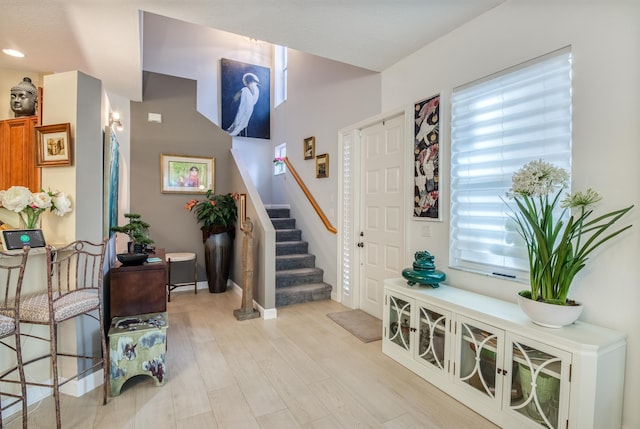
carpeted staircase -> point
(297, 277)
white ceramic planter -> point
(549, 315)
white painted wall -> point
(83, 179)
(195, 52)
(605, 40)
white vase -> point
(549, 315)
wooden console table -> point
(138, 289)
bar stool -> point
(74, 288)
(11, 275)
(178, 257)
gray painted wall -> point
(183, 131)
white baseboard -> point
(78, 388)
(75, 388)
(271, 313)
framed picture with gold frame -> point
(322, 166)
(53, 145)
(186, 174)
(242, 202)
(309, 147)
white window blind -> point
(499, 124)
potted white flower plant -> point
(557, 250)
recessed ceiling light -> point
(13, 53)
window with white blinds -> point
(498, 124)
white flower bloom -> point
(61, 204)
(41, 200)
(538, 179)
(16, 198)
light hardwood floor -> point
(300, 370)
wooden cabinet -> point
(17, 153)
(487, 354)
(137, 289)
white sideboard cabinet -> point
(488, 355)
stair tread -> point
(294, 256)
(304, 287)
(298, 271)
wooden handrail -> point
(312, 200)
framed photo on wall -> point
(186, 174)
(309, 147)
(426, 153)
(53, 145)
(322, 166)
(242, 203)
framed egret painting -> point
(245, 99)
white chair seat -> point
(176, 257)
(7, 326)
(35, 308)
(180, 256)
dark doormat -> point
(363, 325)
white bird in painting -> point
(248, 96)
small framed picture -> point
(186, 174)
(309, 147)
(53, 145)
(322, 166)
(242, 202)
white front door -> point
(381, 213)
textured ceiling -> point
(102, 37)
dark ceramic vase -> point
(218, 250)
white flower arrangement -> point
(557, 249)
(31, 205)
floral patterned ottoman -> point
(137, 346)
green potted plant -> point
(557, 250)
(218, 214)
(138, 232)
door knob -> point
(361, 244)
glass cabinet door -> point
(433, 342)
(537, 382)
(399, 321)
(479, 357)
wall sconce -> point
(114, 119)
